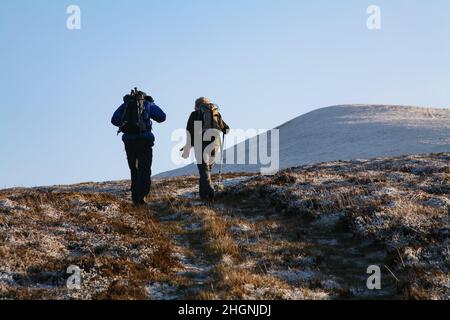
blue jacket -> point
(152, 111)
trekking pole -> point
(221, 159)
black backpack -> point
(134, 115)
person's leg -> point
(209, 183)
(202, 181)
(130, 148)
(206, 189)
(145, 157)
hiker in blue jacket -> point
(134, 118)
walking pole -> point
(219, 185)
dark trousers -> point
(206, 189)
(139, 155)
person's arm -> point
(189, 136)
(156, 112)
(116, 119)
(190, 129)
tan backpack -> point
(211, 118)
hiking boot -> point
(140, 204)
(209, 201)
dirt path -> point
(249, 251)
(195, 266)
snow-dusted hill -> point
(350, 132)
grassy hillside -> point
(306, 233)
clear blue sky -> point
(264, 62)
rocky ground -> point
(308, 232)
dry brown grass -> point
(115, 245)
(403, 203)
(267, 238)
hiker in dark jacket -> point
(139, 146)
(195, 138)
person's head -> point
(200, 102)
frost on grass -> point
(402, 203)
(308, 232)
(118, 248)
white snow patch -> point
(240, 228)
(294, 275)
(232, 182)
(162, 291)
(12, 205)
(7, 278)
